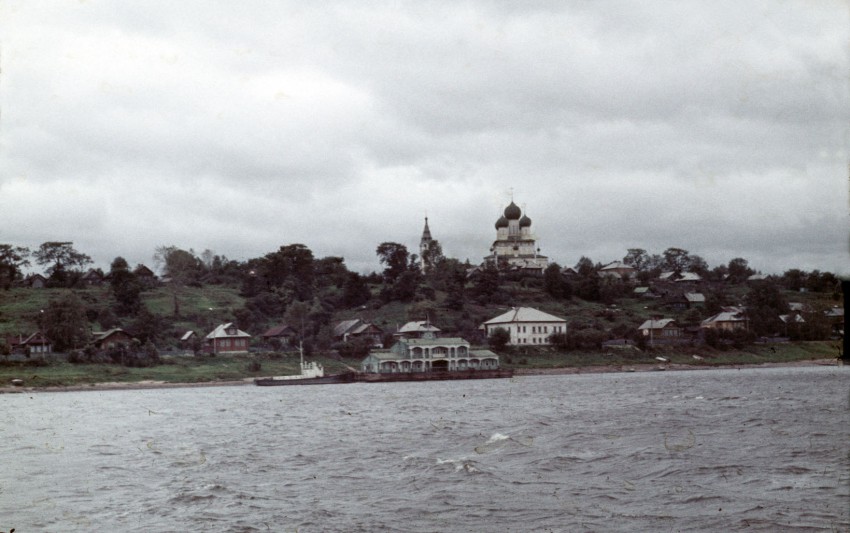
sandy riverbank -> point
(517, 373)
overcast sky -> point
(718, 127)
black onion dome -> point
(512, 212)
(502, 222)
(524, 222)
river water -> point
(707, 450)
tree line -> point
(291, 285)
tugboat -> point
(312, 373)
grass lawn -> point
(753, 354)
(175, 370)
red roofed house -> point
(227, 338)
(283, 333)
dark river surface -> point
(707, 450)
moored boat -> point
(312, 373)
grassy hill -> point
(201, 308)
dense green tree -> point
(739, 270)
(330, 272)
(402, 274)
(698, 265)
(432, 256)
(395, 258)
(586, 284)
(146, 326)
(637, 258)
(181, 267)
(455, 286)
(818, 281)
(125, 287)
(355, 291)
(764, 303)
(676, 259)
(553, 281)
(585, 267)
(794, 279)
(499, 338)
(64, 322)
(292, 263)
(298, 317)
(486, 285)
(63, 261)
(12, 258)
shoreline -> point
(595, 369)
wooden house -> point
(284, 334)
(227, 338)
(111, 338)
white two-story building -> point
(527, 326)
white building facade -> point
(515, 245)
(527, 326)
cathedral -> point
(515, 247)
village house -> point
(227, 338)
(35, 281)
(430, 354)
(686, 300)
(188, 339)
(111, 338)
(617, 270)
(355, 329)
(730, 319)
(145, 276)
(526, 325)
(416, 330)
(93, 277)
(663, 330)
(35, 343)
(282, 333)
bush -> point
(88, 355)
(499, 339)
(254, 366)
(353, 349)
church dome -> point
(512, 212)
(524, 222)
(502, 222)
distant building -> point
(35, 343)
(282, 332)
(93, 277)
(429, 354)
(416, 330)
(526, 326)
(425, 244)
(355, 328)
(36, 281)
(659, 330)
(617, 270)
(227, 338)
(515, 246)
(731, 319)
(111, 338)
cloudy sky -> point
(718, 127)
